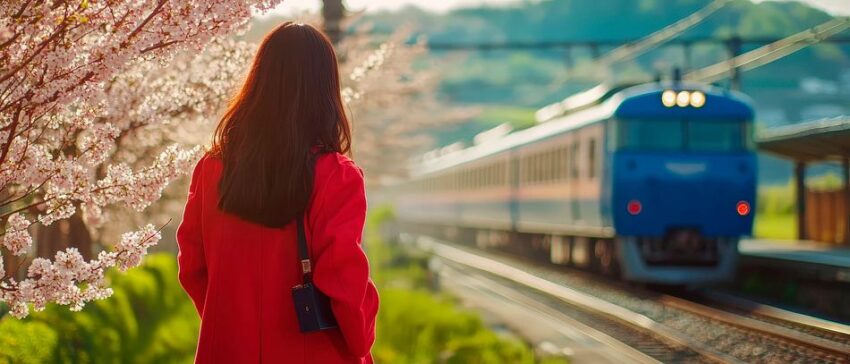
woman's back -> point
(239, 273)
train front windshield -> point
(697, 135)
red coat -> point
(239, 274)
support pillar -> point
(846, 164)
(800, 180)
(733, 46)
(595, 53)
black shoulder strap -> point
(303, 252)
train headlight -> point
(743, 208)
(668, 98)
(683, 99)
(697, 99)
(634, 207)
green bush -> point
(417, 327)
(776, 200)
(149, 319)
(26, 342)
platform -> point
(828, 260)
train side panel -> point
(560, 184)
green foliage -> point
(775, 216)
(829, 181)
(775, 227)
(149, 319)
(26, 342)
(776, 199)
(416, 326)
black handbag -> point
(312, 307)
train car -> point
(655, 182)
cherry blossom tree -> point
(177, 103)
(390, 88)
(70, 94)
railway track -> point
(663, 327)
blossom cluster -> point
(70, 280)
(90, 94)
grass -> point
(775, 226)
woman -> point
(279, 152)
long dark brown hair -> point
(289, 108)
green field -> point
(775, 227)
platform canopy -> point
(818, 140)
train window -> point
(657, 135)
(533, 166)
(502, 173)
(523, 170)
(564, 161)
(553, 165)
(544, 167)
(715, 135)
(550, 166)
(591, 159)
(533, 176)
(692, 135)
(538, 168)
(574, 160)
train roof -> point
(580, 101)
(627, 102)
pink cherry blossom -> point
(17, 239)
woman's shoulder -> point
(210, 163)
(333, 163)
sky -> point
(836, 7)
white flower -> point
(71, 263)
(39, 267)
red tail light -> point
(634, 207)
(743, 208)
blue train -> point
(655, 182)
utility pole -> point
(333, 12)
(687, 56)
(734, 47)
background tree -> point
(390, 90)
(333, 13)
